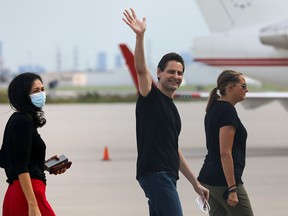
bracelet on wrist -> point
(228, 191)
(229, 188)
(232, 191)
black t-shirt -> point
(222, 113)
(23, 149)
(158, 126)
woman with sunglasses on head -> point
(226, 138)
(23, 150)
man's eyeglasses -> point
(243, 86)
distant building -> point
(118, 61)
(101, 62)
(117, 77)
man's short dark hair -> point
(172, 56)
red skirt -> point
(15, 203)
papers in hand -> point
(203, 206)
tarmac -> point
(93, 186)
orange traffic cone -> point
(106, 154)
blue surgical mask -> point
(38, 99)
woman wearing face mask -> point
(23, 150)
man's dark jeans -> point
(160, 189)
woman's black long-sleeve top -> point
(23, 150)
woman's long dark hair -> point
(225, 78)
(18, 93)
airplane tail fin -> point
(221, 15)
(129, 58)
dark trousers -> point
(160, 189)
(220, 207)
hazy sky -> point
(32, 31)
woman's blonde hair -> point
(225, 78)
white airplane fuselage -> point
(248, 36)
(242, 50)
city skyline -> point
(33, 31)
